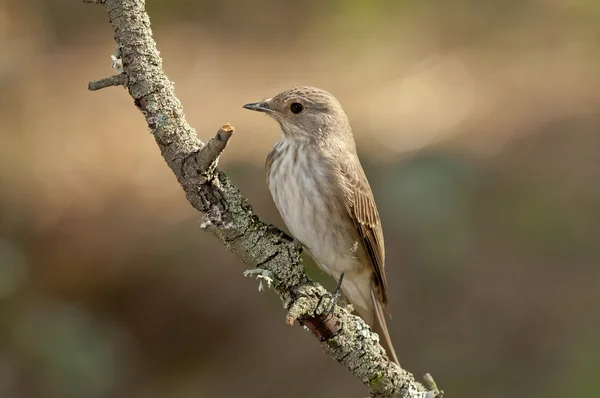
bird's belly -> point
(317, 223)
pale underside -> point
(333, 216)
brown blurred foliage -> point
(478, 125)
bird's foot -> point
(333, 297)
(261, 275)
(336, 294)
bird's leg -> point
(334, 297)
(261, 275)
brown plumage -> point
(322, 194)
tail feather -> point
(360, 292)
(380, 327)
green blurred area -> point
(478, 127)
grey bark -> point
(229, 216)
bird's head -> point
(305, 113)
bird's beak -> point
(259, 106)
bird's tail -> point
(380, 327)
(359, 291)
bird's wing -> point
(360, 204)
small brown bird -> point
(322, 193)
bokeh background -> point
(478, 126)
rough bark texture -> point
(228, 215)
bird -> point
(322, 193)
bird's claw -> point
(261, 275)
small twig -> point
(94, 1)
(209, 153)
(116, 80)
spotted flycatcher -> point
(322, 193)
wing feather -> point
(361, 206)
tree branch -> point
(229, 216)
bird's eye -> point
(296, 107)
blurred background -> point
(478, 127)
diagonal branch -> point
(229, 216)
